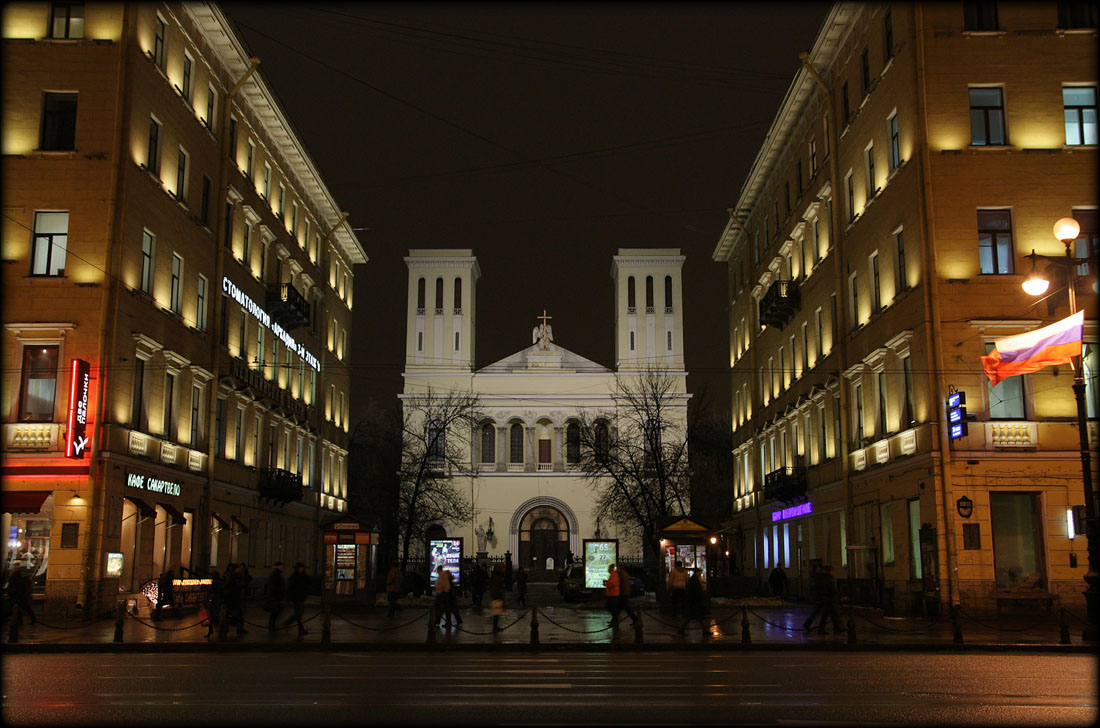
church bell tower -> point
(649, 328)
(440, 321)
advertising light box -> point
(598, 555)
(114, 564)
(446, 552)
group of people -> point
(231, 592)
(685, 594)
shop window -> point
(29, 543)
(887, 526)
(38, 389)
(915, 570)
(1017, 540)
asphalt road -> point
(570, 688)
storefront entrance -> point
(543, 543)
(28, 520)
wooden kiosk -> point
(350, 552)
(687, 540)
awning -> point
(221, 521)
(144, 508)
(178, 519)
(242, 528)
(23, 501)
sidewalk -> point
(559, 627)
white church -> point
(527, 493)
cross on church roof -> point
(544, 317)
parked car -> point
(572, 588)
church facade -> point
(529, 497)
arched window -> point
(649, 294)
(668, 294)
(420, 295)
(437, 441)
(439, 295)
(652, 444)
(603, 438)
(630, 301)
(488, 443)
(573, 443)
(515, 443)
(458, 294)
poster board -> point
(598, 555)
(445, 552)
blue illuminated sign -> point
(801, 509)
(956, 415)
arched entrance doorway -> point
(543, 543)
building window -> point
(152, 161)
(515, 443)
(249, 161)
(1089, 362)
(458, 294)
(995, 251)
(894, 146)
(907, 375)
(211, 106)
(987, 117)
(204, 205)
(294, 220)
(158, 42)
(887, 36)
(219, 428)
(876, 290)
(817, 241)
(651, 445)
(260, 350)
(865, 71)
(820, 353)
(902, 283)
(177, 276)
(886, 523)
(1076, 14)
(649, 294)
(1006, 400)
(880, 396)
(139, 416)
(813, 157)
(58, 132)
(857, 406)
(169, 429)
(50, 242)
(1087, 246)
(196, 417)
(1080, 113)
(805, 346)
(181, 176)
(787, 197)
(39, 384)
(573, 443)
(980, 16)
(871, 187)
(767, 229)
(147, 242)
(853, 299)
(846, 104)
(267, 182)
(798, 175)
(187, 67)
(849, 184)
(438, 296)
(238, 436)
(200, 304)
(488, 443)
(421, 295)
(67, 20)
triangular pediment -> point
(524, 359)
(685, 524)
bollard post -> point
(851, 625)
(326, 625)
(746, 638)
(534, 625)
(956, 625)
(638, 637)
(1063, 628)
(16, 621)
(119, 620)
(431, 624)
(223, 623)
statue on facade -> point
(481, 538)
(543, 334)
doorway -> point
(543, 543)
(1018, 557)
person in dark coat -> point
(497, 585)
(479, 580)
(166, 596)
(693, 602)
(824, 591)
(777, 580)
(234, 597)
(214, 602)
(521, 587)
(19, 592)
(395, 586)
(298, 590)
(276, 592)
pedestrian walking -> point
(677, 588)
(445, 603)
(166, 596)
(611, 593)
(693, 602)
(777, 580)
(394, 586)
(298, 590)
(19, 592)
(496, 595)
(521, 587)
(276, 592)
(213, 602)
(479, 580)
(824, 593)
(625, 590)
(234, 596)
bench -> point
(1026, 596)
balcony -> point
(280, 486)
(287, 307)
(268, 389)
(787, 485)
(780, 304)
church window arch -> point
(437, 441)
(649, 294)
(488, 443)
(458, 295)
(515, 443)
(668, 294)
(630, 300)
(573, 443)
(420, 295)
(651, 440)
(438, 296)
(603, 438)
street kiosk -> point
(351, 550)
(687, 540)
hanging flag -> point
(1030, 352)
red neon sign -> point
(80, 382)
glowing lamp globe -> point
(1036, 286)
(1067, 229)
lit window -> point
(987, 117)
(1080, 114)
(181, 176)
(147, 242)
(177, 276)
(995, 251)
(51, 235)
(1006, 400)
(211, 106)
(158, 42)
(39, 384)
(67, 20)
(894, 146)
(153, 156)
(187, 69)
(200, 304)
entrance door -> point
(1017, 540)
(543, 543)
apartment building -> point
(177, 309)
(876, 250)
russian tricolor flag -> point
(1030, 352)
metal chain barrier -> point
(165, 629)
(575, 631)
(483, 634)
(998, 629)
(77, 626)
(383, 629)
(894, 629)
(767, 621)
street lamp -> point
(1067, 229)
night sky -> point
(544, 137)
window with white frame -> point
(1079, 108)
(188, 76)
(67, 20)
(211, 106)
(1006, 400)
(869, 154)
(181, 175)
(902, 283)
(894, 145)
(876, 289)
(849, 184)
(177, 278)
(152, 157)
(853, 299)
(159, 31)
(148, 241)
(995, 244)
(49, 243)
(38, 383)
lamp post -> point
(1067, 229)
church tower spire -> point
(649, 328)
(440, 320)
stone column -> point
(529, 456)
(502, 448)
(557, 449)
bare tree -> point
(637, 456)
(436, 431)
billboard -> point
(445, 552)
(598, 555)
